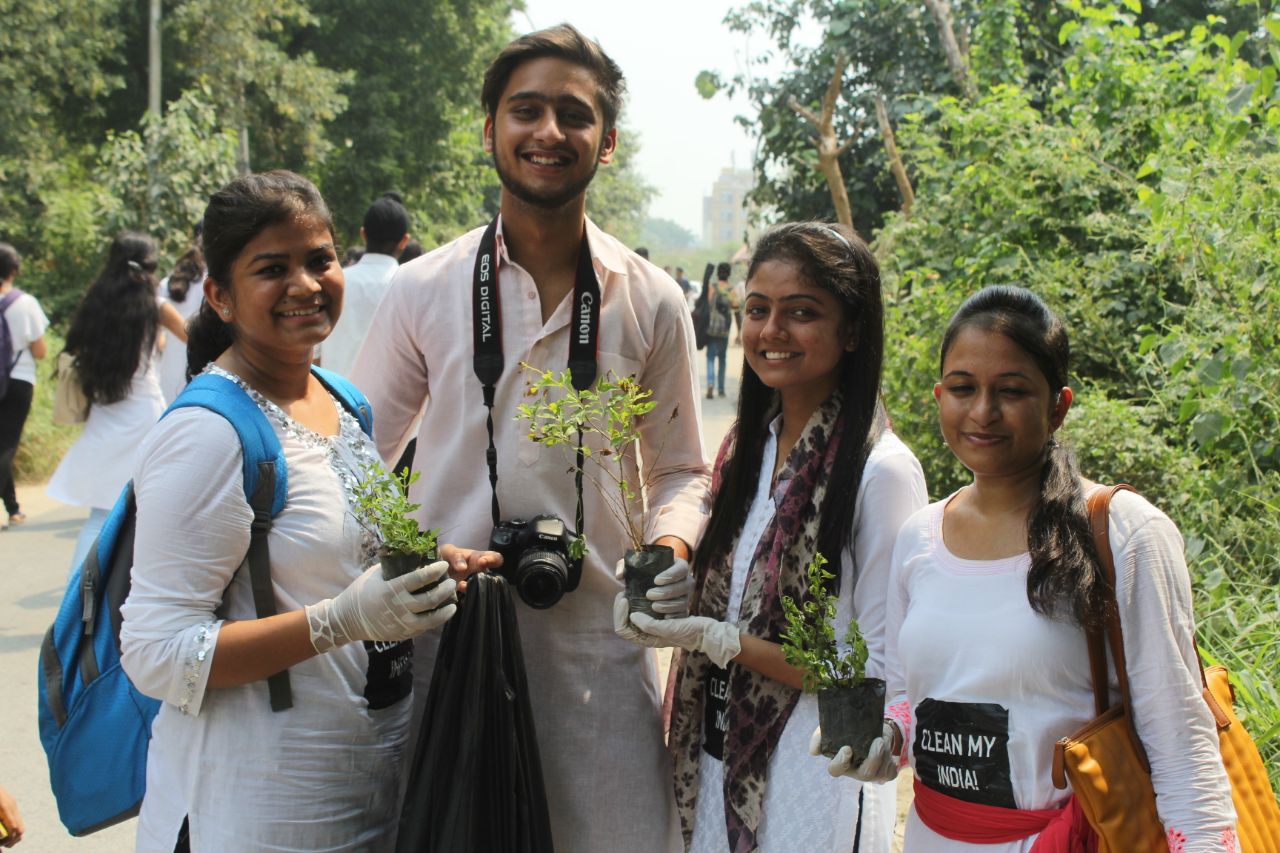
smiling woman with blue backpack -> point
(284, 731)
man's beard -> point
(552, 200)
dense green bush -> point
(1138, 192)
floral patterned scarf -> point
(758, 707)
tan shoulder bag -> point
(1105, 762)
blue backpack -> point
(94, 724)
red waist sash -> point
(1063, 830)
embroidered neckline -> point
(349, 435)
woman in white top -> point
(182, 288)
(25, 321)
(810, 466)
(223, 771)
(988, 665)
(113, 336)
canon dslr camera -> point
(535, 558)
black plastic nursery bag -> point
(476, 779)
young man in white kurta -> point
(596, 698)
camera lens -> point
(541, 577)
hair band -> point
(822, 226)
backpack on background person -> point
(8, 358)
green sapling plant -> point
(612, 410)
(383, 509)
(809, 643)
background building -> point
(724, 211)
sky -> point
(661, 46)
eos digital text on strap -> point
(534, 544)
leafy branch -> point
(809, 643)
(383, 509)
(613, 410)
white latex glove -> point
(624, 629)
(375, 609)
(880, 765)
(671, 591)
(719, 641)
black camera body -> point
(535, 558)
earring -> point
(226, 312)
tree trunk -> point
(153, 59)
(895, 159)
(956, 60)
(242, 159)
(829, 147)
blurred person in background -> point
(113, 337)
(24, 326)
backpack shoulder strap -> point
(257, 438)
(266, 483)
(352, 399)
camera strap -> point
(487, 360)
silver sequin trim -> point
(204, 641)
(349, 433)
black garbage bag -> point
(476, 778)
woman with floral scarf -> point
(810, 466)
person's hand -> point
(671, 591)
(464, 562)
(719, 641)
(372, 608)
(623, 628)
(881, 763)
(11, 818)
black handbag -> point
(476, 779)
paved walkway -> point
(34, 561)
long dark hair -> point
(236, 214)
(1065, 572)
(188, 268)
(834, 258)
(115, 323)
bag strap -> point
(1099, 506)
(352, 399)
(266, 485)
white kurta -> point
(367, 281)
(27, 323)
(965, 644)
(322, 775)
(102, 459)
(804, 808)
(596, 698)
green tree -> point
(160, 178)
(892, 50)
(618, 200)
(262, 79)
(661, 234)
(413, 119)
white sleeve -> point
(1193, 795)
(391, 368)
(892, 490)
(680, 480)
(896, 704)
(192, 535)
(27, 322)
